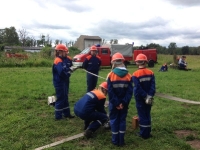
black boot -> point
(88, 133)
(70, 116)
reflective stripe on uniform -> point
(114, 132)
(145, 126)
(145, 79)
(66, 108)
(99, 122)
(61, 109)
(120, 85)
(91, 95)
(121, 131)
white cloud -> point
(157, 21)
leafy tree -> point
(1, 35)
(48, 41)
(56, 42)
(172, 48)
(198, 50)
(185, 50)
(10, 36)
(160, 49)
(42, 39)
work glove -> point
(149, 100)
(73, 68)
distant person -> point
(120, 90)
(91, 109)
(92, 64)
(61, 74)
(182, 63)
(144, 90)
(164, 67)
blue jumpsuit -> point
(61, 75)
(164, 68)
(92, 64)
(144, 84)
(90, 108)
(120, 90)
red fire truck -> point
(106, 52)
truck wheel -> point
(151, 63)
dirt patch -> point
(59, 138)
(190, 136)
(194, 144)
(185, 133)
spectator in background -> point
(182, 63)
(164, 67)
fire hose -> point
(94, 74)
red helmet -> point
(117, 56)
(61, 47)
(104, 85)
(141, 57)
(93, 48)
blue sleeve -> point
(129, 93)
(85, 63)
(153, 87)
(101, 107)
(62, 70)
(138, 89)
(112, 97)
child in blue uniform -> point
(92, 64)
(164, 67)
(90, 108)
(120, 91)
(144, 90)
(61, 74)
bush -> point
(37, 59)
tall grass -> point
(27, 122)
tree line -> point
(12, 37)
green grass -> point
(27, 122)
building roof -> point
(80, 41)
(90, 37)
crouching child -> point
(90, 108)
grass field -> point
(27, 122)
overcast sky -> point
(139, 21)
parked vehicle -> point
(106, 52)
(150, 53)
